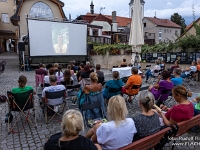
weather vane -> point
(101, 8)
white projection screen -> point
(48, 38)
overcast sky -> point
(163, 8)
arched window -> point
(41, 10)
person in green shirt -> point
(196, 103)
(22, 86)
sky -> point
(163, 8)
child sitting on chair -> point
(196, 103)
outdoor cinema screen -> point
(48, 38)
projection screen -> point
(48, 38)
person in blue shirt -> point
(177, 80)
(116, 83)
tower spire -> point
(92, 7)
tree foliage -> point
(176, 18)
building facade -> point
(8, 32)
(160, 30)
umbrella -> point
(136, 39)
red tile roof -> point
(163, 22)
(122, 21)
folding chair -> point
(94, 113)
(39, 80)
(21, 103)
(147, 68)
(75, 88)
(90, 106)
(134, 87)
(155, 75)
(52, 109)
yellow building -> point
(7, 29)
(14, 15)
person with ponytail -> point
(22, 86)
(184, 110)
(147, 123)
(70, 138)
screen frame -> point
(57, 22)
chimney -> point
(92, 7)
(114, 17)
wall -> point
(26, 10)
(7, 7)
(191, 31)
(108, 61)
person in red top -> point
(41, 70)
(184, 110)
(135, 79)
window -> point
(160, 34)
(3, 0)
(41, 10)
(145, 25)
(176, 32)
(5, 18)
(170, 31)
(165, 30)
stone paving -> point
(26, 136)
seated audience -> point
(177, 80)
(22, 86)
(116, 83)
(81, 69)
(46, 78)
(187, 71)
(85, 73)
(70, 139)
(151, 72)
(91, 69)
(55, 67)
(41, 71)
(68, 80)
(198, 65)
(118, 131)
(147, 122)
(91, 89)
(135, 79)
(59, 73)
(196, 104)
(174, 66)
(123, 63)
(54, 87)
(99, 73)
(184, 109)
(164, 84)
(73, 66)
(69, 67)
(162, 64)
(44, 67)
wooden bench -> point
(158, 140)
(150, 141)
(185, 126)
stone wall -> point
(108, 61)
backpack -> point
(3, 98)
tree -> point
(176, 18)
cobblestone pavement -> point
(28, 137)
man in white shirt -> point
(53, 88)
(187, 71)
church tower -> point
(92, 7)
(142, 2)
